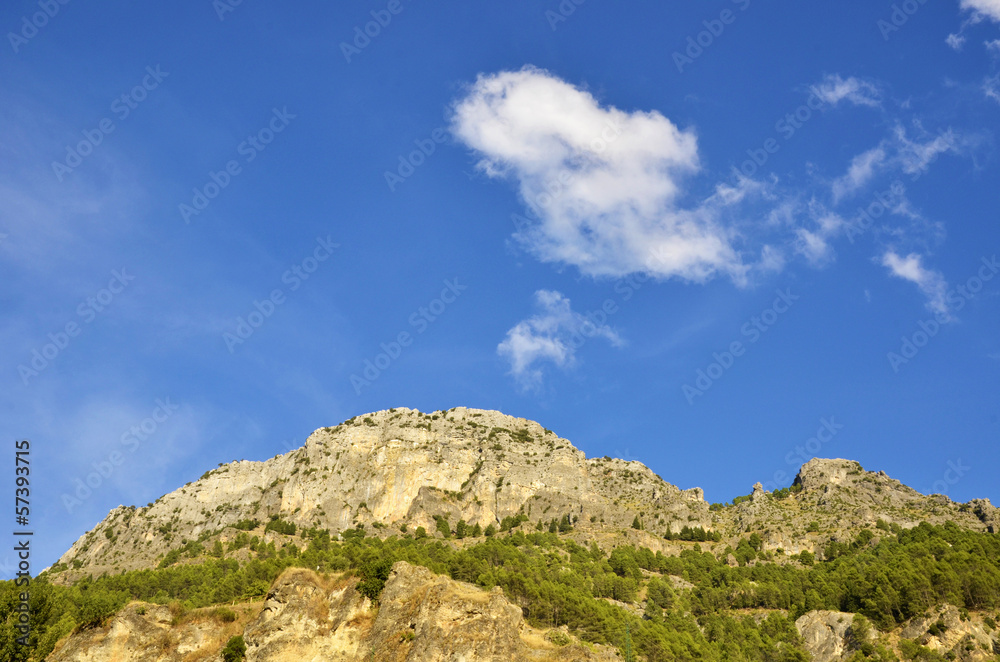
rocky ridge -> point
(396, 470)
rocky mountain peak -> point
(393, 471)
(817, 473)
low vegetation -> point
(558, 582)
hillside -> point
(411, 536)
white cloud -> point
(835, 89)
(993, 45)
(956, 41)
(771, 259)
(991, 88)
(915, 156)
(931, 283)
(814, 244)
(553, 336)
(863, 167)
(604, 183)
(814, 247)
(983, 8)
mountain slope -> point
(396, 470)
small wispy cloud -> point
(915, 155)
(834, 89)
(551, 336)
(814, 242)
(930, 282)
(863, 168)
(955, 41)
(896, 153)
(991, 87)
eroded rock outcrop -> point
(947, 633)
(306, 617)
(422, 617)
(147, 633)
(835, 499)
(832, 636)
(825, 634)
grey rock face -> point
(824, 634)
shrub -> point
(374, 574)
(235, 650)
(225, 614)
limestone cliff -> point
(397, 468)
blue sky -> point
(720, 238)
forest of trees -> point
(556, 581)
